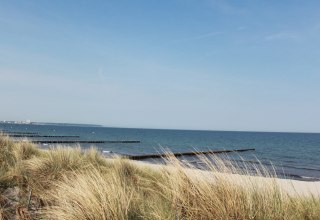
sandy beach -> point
(292, 187)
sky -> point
(177, 64)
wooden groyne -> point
(18, 133)
(83, 142)
(150, 156)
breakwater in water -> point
(181, 154)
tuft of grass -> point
(124, 191)
(214, 195)
(8, 162)
(7, 153)
(42, 172)
(26, 150)
(92, 195)
(12, 155)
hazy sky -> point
(190, 64)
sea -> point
(291, 155)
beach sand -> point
(289, 186)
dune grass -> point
(68, 183)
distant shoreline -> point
(151, 128)
(49, 123)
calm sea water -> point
(297, 155)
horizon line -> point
(147, 128)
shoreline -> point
(290, 186)
(280, 175)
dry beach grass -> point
(67, 183)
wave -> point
(269, 163)
(281, 173)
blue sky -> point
(190, 64)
